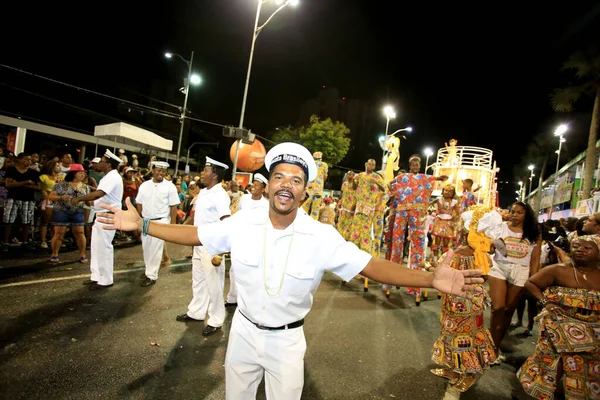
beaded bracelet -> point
(145, 225)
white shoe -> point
(44, 245)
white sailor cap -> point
(292, 153)
(110, 154)
(121, 151)
(96, 160)
(160, 164)
(129, 169)
(210, 161)
(260, 177)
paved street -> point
(61, 341)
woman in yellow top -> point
(51, 174)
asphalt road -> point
(58, 340)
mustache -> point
(284, 191)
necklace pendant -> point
(584, 276)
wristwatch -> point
(543, 301)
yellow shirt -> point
(47, 183)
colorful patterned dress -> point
(412, 192)
(467, 200)
(369, 196)
(312, 206)
(347, 206)
(465, 345)
(444, 226)
(571, 336)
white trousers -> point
(208, 283)
(102, 257)
(152, 249)
(232, 295)
(253, 352)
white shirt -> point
(289, 263)
(212, 204)
(518, 251)
(247, 202)
(157, 198)
(112, 186)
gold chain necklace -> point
(265, 263)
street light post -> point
(531, 167)
(389, 113)
(560, 131)
(257, 30)
(190, 148)
(428, 153)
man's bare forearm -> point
(394, 274)
(180, 234)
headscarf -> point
(595, 239)
(484, 226)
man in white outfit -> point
(279, 256)
(255, 199)
(208, 280)
(109, 192)
(156, 200)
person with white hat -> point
(248, 202)
(208, 280)
(123, 158)
(156, 200)
(109, 193)
(279, 255)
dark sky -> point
(481, 74)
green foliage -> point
(328, 137)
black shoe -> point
(230, 304)
(187, 318)
(143, 275)
(95, 286)
(89, 283)
(148, 282)
(209, 330)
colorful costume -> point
(369, 196)
(465, 344)
(569, 341)
(315, 191)
(444, 226)
(412, 192)
(347, 206)
(467, 200)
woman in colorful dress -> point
(465, 347)
(51, 175)
(347, 206)
(444, 232)
(569, 323)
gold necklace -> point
(265, 263)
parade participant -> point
(569, 323)
(369, 189)
(347, 206)
(327, 212)
(315, 188)
(109, 193)
(468, 198)
(465, 347)
(248, 202)
(412, 191)
(277, 276)
(512, 266)
(444, 232)
(156, 200)
(235, 195)
(208, 280)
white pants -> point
(253, 352)
(152, 249)
(208, 283)
(102, 255)
(232, 295)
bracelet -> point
(544, 301)
(145, 225)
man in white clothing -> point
(156, 200)
(110, 193)
(208, 280)
(248, 201)
(280, 256)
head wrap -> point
(595, 239)
(484, 226)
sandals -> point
(443, 373)
(54, 260)
(84, 260)
(464, 383)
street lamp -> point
(531, 167)
(521, 191)
(257, 29)
(191, 78)
(559, 131)
(187, 164)
(428, 153)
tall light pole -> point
(191, 78)
(531, 168)
(521, 191)
(428, 153)
(559, 131)
(257, 29)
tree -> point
(328, 137)
(586, 67)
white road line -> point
(451, 394)
(67, 278)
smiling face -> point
(287, 187)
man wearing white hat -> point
(156, 200)
(123, 158)
(109, 193)
(248, 202)
(208, 280)
(279, 256)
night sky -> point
(482, 74)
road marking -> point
(66, 278)
(451, 394)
